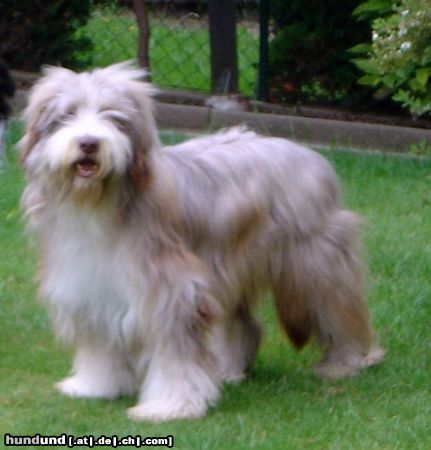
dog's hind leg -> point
(318, 289)
(235, 342)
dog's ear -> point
(142, 96)
(41, 97)
(145, 135)
(31, 136)
(139, 170)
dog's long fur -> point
(152, 258)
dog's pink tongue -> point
(86, 168)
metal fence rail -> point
(179, 41)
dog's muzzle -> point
(88, 165)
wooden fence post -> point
(223, 46)
(140, 9)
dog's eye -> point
(52, 122)
(120, 121)
(55, 124)
(66, 117)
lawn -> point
(179, 48)
(282, 405)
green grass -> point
(281, 405)
(179, 52)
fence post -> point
(224, 61)
(262, 90)
(140, 9)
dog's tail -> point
(318, 288)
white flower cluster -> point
(406, 31)
(401, 54)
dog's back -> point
(231, 182)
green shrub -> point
(39, 32)
(398, 62)
(309, 56)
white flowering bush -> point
(398, 61)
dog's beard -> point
(91, 192)
(86, 180)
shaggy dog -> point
(152, 257)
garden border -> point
(200, 113)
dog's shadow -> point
(266, 383)
(280, 385)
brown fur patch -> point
(139, 172)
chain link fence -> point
(179, 41)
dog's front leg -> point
(182, 380)
(99, 371)
(176, 387)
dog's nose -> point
(89, 145)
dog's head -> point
(85, 129)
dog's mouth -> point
(86, 167)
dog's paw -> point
(160, 411)
(333, 371)
(77, 387)
(375, 356)
(342, 368)
(233, 377)
(73, 387)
